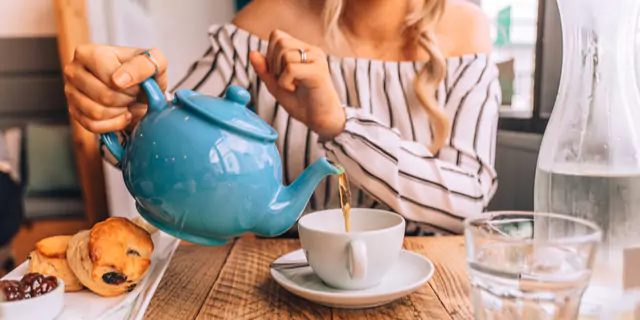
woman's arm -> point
(435, 190)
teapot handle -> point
(157, 102)
(110, 140)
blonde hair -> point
(420, 24)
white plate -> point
(88, 305)
(410, 273)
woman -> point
(401, 93)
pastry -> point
(50, 258)
(112, 257)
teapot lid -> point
(230, 112)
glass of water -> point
(525, 265)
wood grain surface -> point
(187, 281)
(233, 282)
(245, 289)
(450, 280)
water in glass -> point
(521, 269)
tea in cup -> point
(353, 260)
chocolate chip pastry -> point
(112, 257)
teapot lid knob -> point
(238, 94)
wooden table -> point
(233, 282)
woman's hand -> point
(102, 85)
(305, 90)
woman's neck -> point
(375, 21)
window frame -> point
(548, 23)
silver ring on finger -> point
(152, 59)
(303, 55)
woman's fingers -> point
(303, 73)
(283, 43)
(273, 37)
(290, 56)
(89, 107)
(114, 124)
(139, 68)
(102, 61)
(308, 73)
(95, 89)
(259, 63)
(102, 84)
(295, 72)
(284, 46)
(304, 89)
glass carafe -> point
(589, 161)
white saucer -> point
(407, 275)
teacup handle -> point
(357, 260)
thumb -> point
(139, 68)
(259, 63)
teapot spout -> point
(291, 201)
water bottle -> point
(589, 161)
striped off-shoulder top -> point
(383, 146)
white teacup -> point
(355, 260)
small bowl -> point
(44, 307)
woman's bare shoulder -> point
(260, 17)
(464, 29)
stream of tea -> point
(345, 199)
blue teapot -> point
(207, 169)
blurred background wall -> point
(34, 127)
(34, 132)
